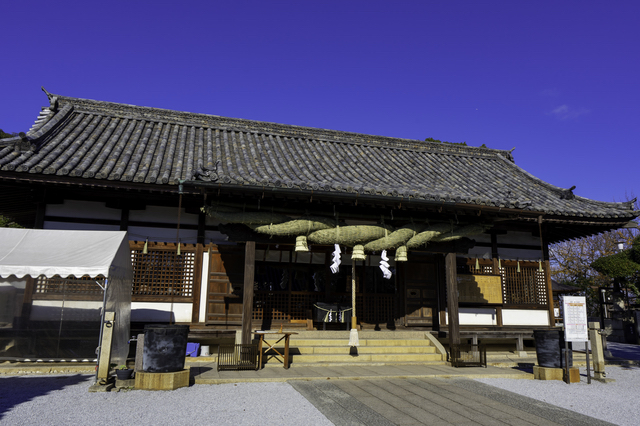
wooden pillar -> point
(124, 219)
(452, 298)
(247, 300)
(202, 223)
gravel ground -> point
(65, 400)
(617, 402)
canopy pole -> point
(104, 307)
(353, 335)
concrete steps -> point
(327, 348)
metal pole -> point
(104, 307)
(588, 366)
(566, 361)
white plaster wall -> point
(202, 314)
(513, 237)
(481, 252)
(481, 238)
(216, 238)
(475, 316)
(79, 226)
(52, 310)
(83, 209)
(160, 312)
(163, 215)
(168, 235)
(525, 317)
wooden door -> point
(224, 298)
(421, 292)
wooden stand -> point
(162, 381)
(545, 373)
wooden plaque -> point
(480, 288)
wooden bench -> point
(519, 337)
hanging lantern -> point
(301, 243)
(358, 253)
(401, 254)
(145, 249)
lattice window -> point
(527, 287)
(377, 309)
(162, 272)
(68, 286)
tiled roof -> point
(87, 139)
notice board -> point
(575, 318)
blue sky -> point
(557, 80)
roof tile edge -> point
(284, 130)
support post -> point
(452, 298)
(596, 338)
(105, 346)
(247, 299)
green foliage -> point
(439, 141)
(6, 222)
(4, 134)
(623, 267)
(618, 266)
(635, 250)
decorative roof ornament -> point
(568, 194)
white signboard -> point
(575, 318)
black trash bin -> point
(550, 350)
(165, 348)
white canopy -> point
(38, 252)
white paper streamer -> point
(335, 266)
(384, 265)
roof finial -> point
(568, 194)
(49, 95)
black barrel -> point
(550, 348)
(165, 347)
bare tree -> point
(571, 260)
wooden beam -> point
(452, 298)
(247, 300)
(197, 282)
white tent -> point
(37, 252)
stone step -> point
(356, 364)
(363, 342)
(365, 358)
(363, 334)
(362, 349)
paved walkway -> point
(435, 401)
(206, 373)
